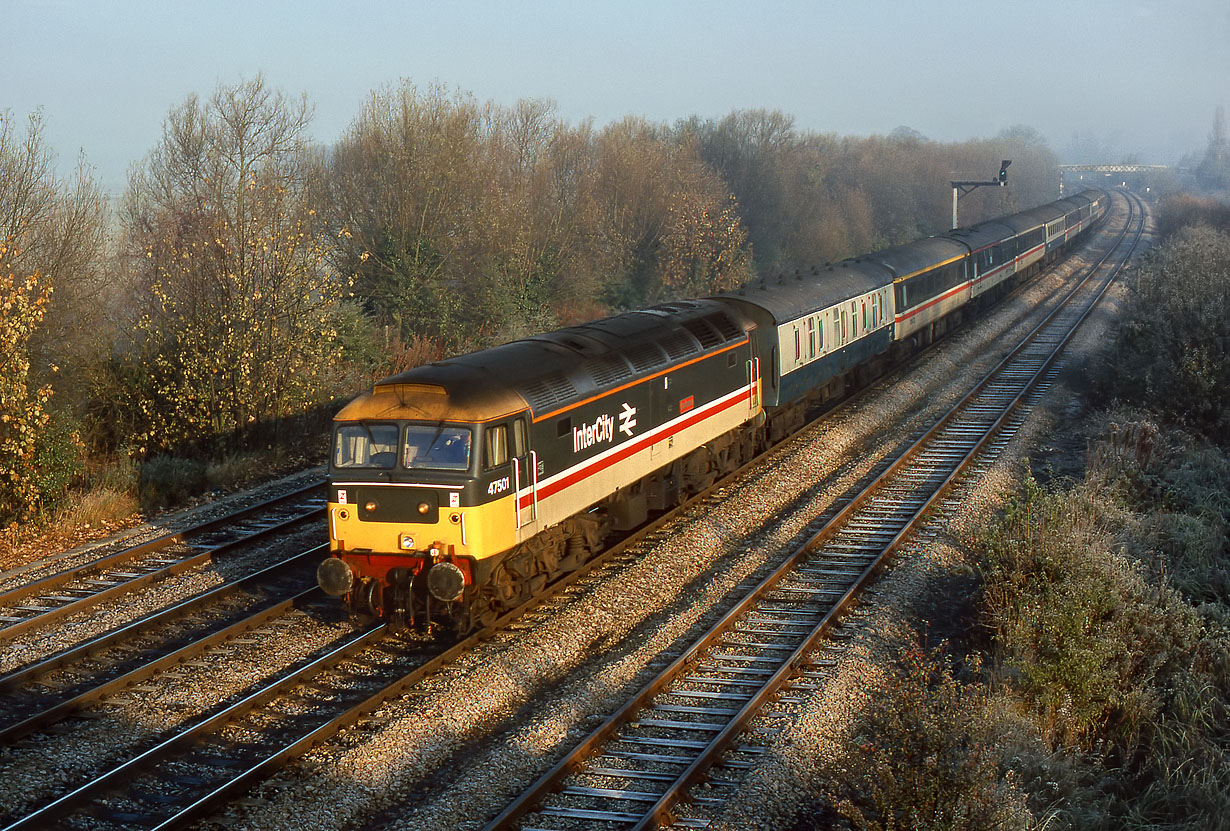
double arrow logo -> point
(627, 419)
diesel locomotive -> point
(457, 490)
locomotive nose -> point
(335, 577)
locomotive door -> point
(525, 472)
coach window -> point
(843, 325)
(863, 308)
(811, 335)
(495, 446)
(820, 334)
(798, 352)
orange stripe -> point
(669, 369)
(930, 267)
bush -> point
(166, 481)
(924, 756)
(1103, 652)
(1183, 210)
(1077, 629)
(1181, 489)
(1172, 354)
(59, 461)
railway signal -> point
(967, 186)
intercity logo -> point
(587, 435)
(627, 419)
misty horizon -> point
(1101, 81)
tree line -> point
(249, 275)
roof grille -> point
(645, 356)
(678, 345)
(725, 326)
(704, 333)
(546, 392)
(608, 370)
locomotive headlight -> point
(405, 542)
(370, 506)
(446, 582)
(424, 508)
(335, 576)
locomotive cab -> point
(421, 480)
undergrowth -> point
(1100, 697)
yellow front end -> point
(475, 531)
(394, 547)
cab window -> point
(520, 445)
(437, 447)
(362, 445)
(495, 446)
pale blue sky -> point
(1138, 77)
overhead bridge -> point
(1114, 168)
(1138, 177)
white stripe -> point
(712, 405)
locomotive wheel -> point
(369, 596)
(484, 611)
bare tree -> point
(220, 226)
(1214, 169)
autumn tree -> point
(756, 152)
(237, 321)
(469, 223)
(58, 229)
(464, 222)
(23, 415)
(807, 197)
(670, 221)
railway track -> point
(48, 690)
(272, 724)
(247, 739)
(641, 765)
(52, 598)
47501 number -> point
(498, 486)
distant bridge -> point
(1115, 168)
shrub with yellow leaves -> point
(22, 410)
